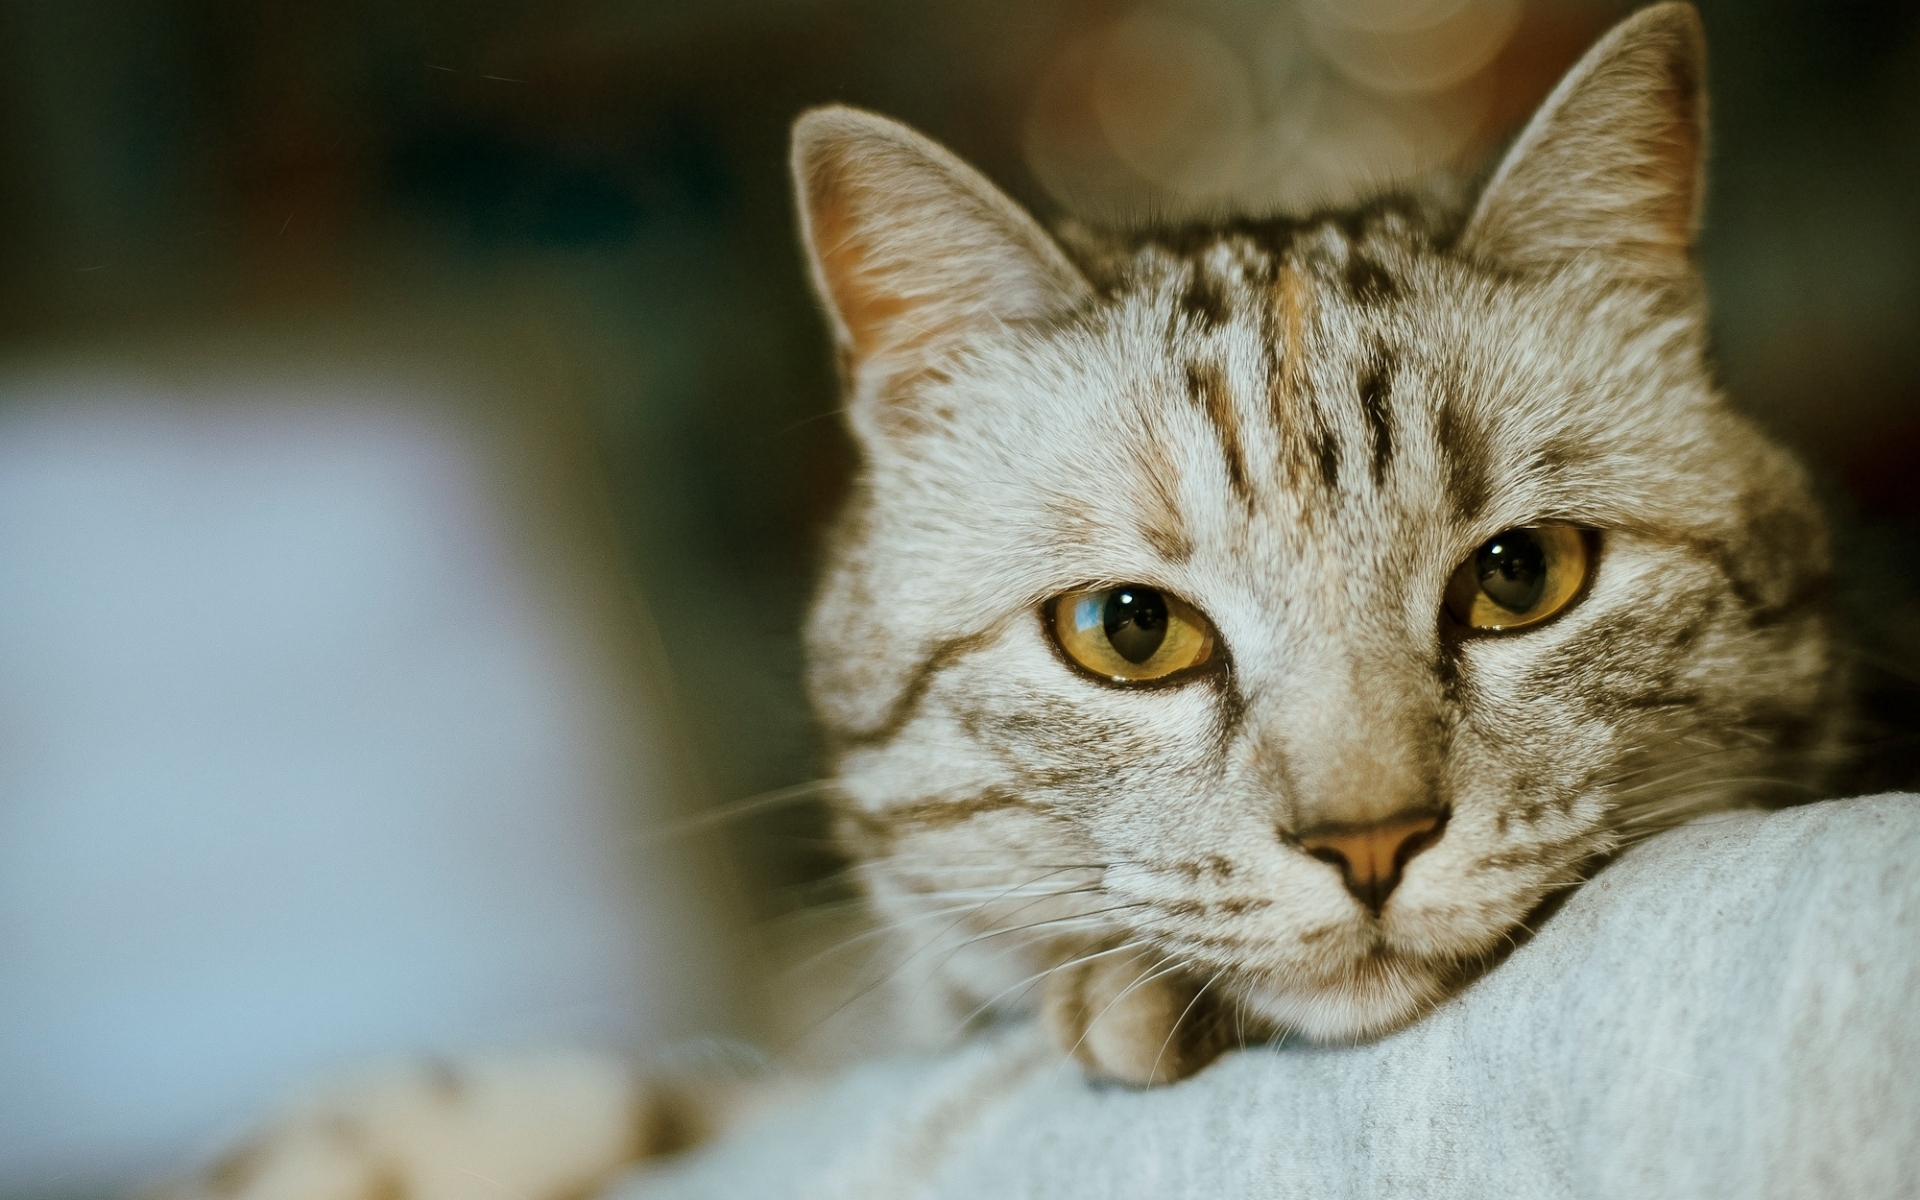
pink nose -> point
(1371, 858)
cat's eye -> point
(1520, 577)
(1131, 633)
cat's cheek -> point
(1461, 925)
(1461, 900)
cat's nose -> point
(1371, 858)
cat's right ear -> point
(913, 251)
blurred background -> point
(416, 433)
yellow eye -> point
(1520, 577)
(1132, 633)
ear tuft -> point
(1611, 167)
(910, 247)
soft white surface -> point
(300, 766)
(1730, 1010)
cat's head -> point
(1302, 600)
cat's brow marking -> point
(1368, 282)
(1326, 453)
(1207, 388)
(1376, 384)
(1287, 348)
(1204, 300)
(1296, 418)
(1160, 520)
(1462, 445)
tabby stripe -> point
(1368, 282)
(1160, 521)
(1326, 454)
(1204, 300)
(876, 830)
(907, 703)
(1463, 447)
(1207, 388)
(1291, 404)
(1376, 382)
(1286, 348)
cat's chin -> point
(1368, 998)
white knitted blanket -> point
(1732, 1009)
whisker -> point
(899, 924)
(1071, 920)
(903, 964)
(1175, 1027)
(1124, 993)
(732, 812)
(1037, 976)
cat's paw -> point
(542, 1128)
(1129, 1017)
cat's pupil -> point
(1136, 622)
(1513, 570)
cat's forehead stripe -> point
(1367, 281)
(1298, 420)
(1376, 383)
(1205, 300)
(1207, 388)
(1282, 281)
(1463, 445)
(1160, 521)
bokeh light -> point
(1177, 109)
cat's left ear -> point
(1610, 171)
(911, 249)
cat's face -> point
(1268, 450)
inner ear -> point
(1611, 167)
(910, 248)
(865, 310)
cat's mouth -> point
(1368, 995)
(1360, 974)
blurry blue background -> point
(415, 434)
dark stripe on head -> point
(1554, 457)
(1169, 543)
(1204, 300)
(1207, 388)
(1160, 522)
(1326, 455)
(1463, 448)
(1376, 383)
(1271, 234)
(1286, 329)
(1368, 282)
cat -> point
(1244, 627)
(1266, 616)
